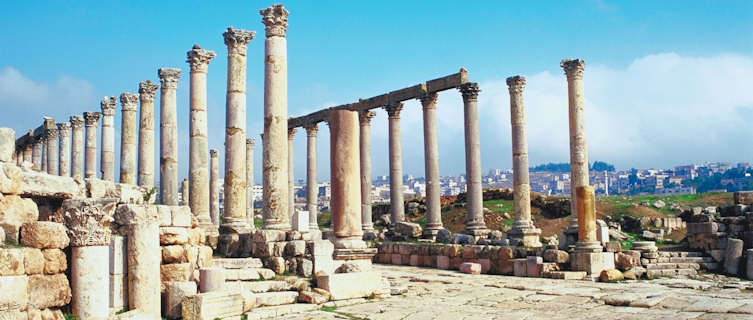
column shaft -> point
(28, 153)
(146, 133)
(474, 195)
(214, 187)
(128, 137)
(36, 155)
(168, 136)
(250, 181)
(52, 152)
(91, 119)
(144, 258)
(107, 158)
(431, 165)
(345, 164)
(312, 184)
(64, 132)
(291, 182)
(396, 163)
(365, 154)
(576, 110)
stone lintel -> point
(407, 93)
(447, 82)
(25, 140)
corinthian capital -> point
(108, 105)
(147, 90)
(51, 133)
(291, 133)
(429, 100)
(250, 142)
(199, 58)
(516, 84)
(275, 18)
(91, 118)
(365, 117)
(168, 77)
(393, 110)
(469, 91)
(64, 129)
(77, 122)
(573, 68)
(312, 129)
(128, 101)
(88, 221)
(237, 40)
(213, 153)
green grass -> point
(13, 245)
(69, 316)
(324, 219)
(328, 309)
(627, 244)
(257, 224)
(500, 206)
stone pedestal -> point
(367, 225)
(396, 163)
(431, 165)
(147, 90)
(129, 137)
(312, 185)
(475, 224)
(64, 132)
(300, 221)
(168, 136)
(107, 156)
(90, 155)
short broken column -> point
(431, 165)
(64, 132)
(186, 196)
(367, 225)
(396, 163)
(88, 222)
(107, 158)
(214, 187)
(250, 181)
(291, 180)
(346, 176)
(576, 109)
(147, 90)
(475, 224)
(312, 185)
(51, 142)
(523, 228)
(168, 136)
(129, 137)
(91, 120)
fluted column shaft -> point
(77, 147)
(250, 181)
(168, 136)
(107, 158)
(431, 166)
(214, 187)
(365, 154)
(64, 132)
(147, 90)
(129, 137)
(474, 196)
(291, 182)
(91, 120)
(312, 185)
(576, 110)
(276, 208)
(396, 163)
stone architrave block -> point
(300, 221)
(212, 305)
(173, 297)
(173, 235)
(14, 293)
(343, 286)
(118, 257)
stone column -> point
(168, 136)
(576, 107)
(431, 166)
(36, 154)
(396, 163)
(587, 240)
(312, 184)
(186, 196)
(214, 187)
(51, 142)
(146, 134)
(88, 223)
(367, 225)
(523, 229)
(64, 132)
(28, 153)
(42, 154)
(291, 182)
(144, 258)
(275, 149)
(107, 158)
(475, 224)
(90, 156)
(198, 171)
(250, 181)
(128, 137)
(345, 171)
(234, 223)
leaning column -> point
(107, 158)
(275, 148)
(291, 182)
(64, 132)
(475, 224)
(91, 119)
(396, 163)
(198, 166)
(367, 225)
(250, 181)
(128, 137)
(77, 147)
(51, 142)
(345, 171)
(146, 134)
(523, 229)
(431, 165)
(214, 187)
(168, 136)
(578, 153)
(312, 187)
(88, 223)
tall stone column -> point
(28, 153)
(396, 163)
(107, 158)
(475, 224)
(36, 154)
(367, 225)
(214, 187)
(250, 181)
(523, 229)
(234, 224)
(431, 166)
(91, 120)
(64, 132)
(129, 137)
(42, 154)
(147, 90)
(198, 166)
(168, 136)
(77, 147)
(275, 149)
(345, 170)
(576, 110)
(51, 142)
(312, 185)
(291, 182)
(88, 223)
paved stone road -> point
(440, 294)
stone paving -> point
(439, 294)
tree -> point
(602, 166)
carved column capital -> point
(50, 133)
(312, 129)
(108, 105)
(199, 58)
(429, 100)
(237, 40)
(250, 141)
(88, 221)
(573, 68)
(469, 91)
(213, 153)
(516, 84)
(291, 133)
(77, 122)
(64, 129)
(92, 118)
(147, 90)
(364, 117)
(128, 101)
(393, 110)
(168, 77)
(275, 18)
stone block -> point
(268, 236)
(486, 265)
(343, 286)
(443, 262)
(566, 275)
(173, 235)
(470, 268)
(613, 246)
(165, 215)
(14, 212)
(196, 236)
(276, 298)
(173, 254)
(54, 261)
(733, 256)
(312, 297)
(14, 293)
(624, 261)
(609, 275)
(181, 216)
(608, 260)
(245, 274)
(212, 305)
(11, 179)
(118, 291)
(300, 221)
(519, 267)
(7, 144)
(397, 259)
(33, 261)
(118, 255)
(205, 258)
(211, 279)
(12, 261)
(556, 256)
(276, 264)
(49, 291)
(44, 235)
(743, 197)
(173, 297)
(408, 229)
(413, 260)
(43, 185)
(505, 267)
(295, 248)
(749, 264)
(179, 272)
(549, 267)
(237, 263)
(590, 262)
(533, 266)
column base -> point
(349, 243)
(284, 226)
(527, 235)
(590, 262)
(313, 226)
(431, 231)
(235, 238)
(588, 246)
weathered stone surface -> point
(88, 221)
(118, 291)
(212, 305)
(11, 179)
(444, 236)
(179, 272)
(173, 254)
(733, 256)
(211, 279)
(408, 229)
(276, 264)
(49, 291)
(625, 261)
(610, 275)
(743, 197)
(33, 261)
(89, 281)
(14, 293)
(238, 263)
(554, 255)
(534, 266)
(350, 285)
(173, 235)
(7, 144)
(312, 297)
(173, 297)
(470, 268)
(14, 212)
(276, 298)
(12, 261)
(196, 236)
(128, 214)
(295, 248)
(42, 185)
(118, 256)
(44, 235)
(181, 216)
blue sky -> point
(667, 82)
